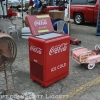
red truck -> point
(84, 10)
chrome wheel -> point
(78, 18)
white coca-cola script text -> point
(36, 49)
(40, 22)
(58, 48)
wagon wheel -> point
(90, 66)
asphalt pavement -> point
(81, 83)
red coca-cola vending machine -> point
(48, 51)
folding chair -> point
(59, 25)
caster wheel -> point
(42, 85)
(33, 80)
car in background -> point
(84, 10)
(16, 4)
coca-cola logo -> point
(40, 22)
(58, 48)
(36, 49)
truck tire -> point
(78, 18)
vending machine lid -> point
(39, 24)
(48, 36)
